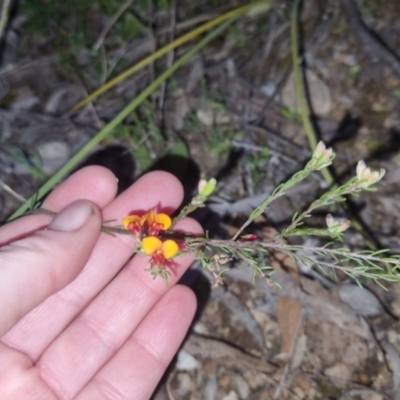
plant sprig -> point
(320, 159)
(214, 254)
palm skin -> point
(80, 318)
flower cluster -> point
(147, 227)
(148, 224)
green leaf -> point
(180, 149)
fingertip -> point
(94, 183)
(189, 225)
(156, 182)
(183, 294)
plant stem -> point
(4, 17)
(300, 91)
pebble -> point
(319, 94)
(186, 384)
(54, 155)
(373, 396)
(231, 396)
(340, 371)
(241, 386)
(186, 362)
(209, 116)
(360, 300)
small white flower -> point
(361, 169)
(320, 149)
(366, 176)
(202, 184)
(330, 221)
(322, 156)
(336, 225)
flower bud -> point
(206, 187)
(322, 156)
(319, 150)
(366, 176)
(336, 225)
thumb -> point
(33, 268)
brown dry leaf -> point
(322, 303)
(289, 318)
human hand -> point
(72, 325)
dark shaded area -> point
(118, 159)
(231, 163)
(185, 169)
(348, 128)
(12, 12)
(389, 149)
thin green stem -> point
(4, 17)
(304, 108)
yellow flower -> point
(134, 223)
(157, 222)
(150, 223)
(159, 251)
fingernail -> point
(72, 217)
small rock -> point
(256, 380)
(391, 122)
(241, 386)
(360, 299)
(209, 116)
(339, 370)
(224, 381)
(304, 382)
(231, 396)
(200, 329)
(372, 396)
(350, 60)
(53, 155)
(186, 384)
(269, 88)
(53, 103)
(319, 93)
(210, 388)
(186, 362)
(300, 393)
(25, 99)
